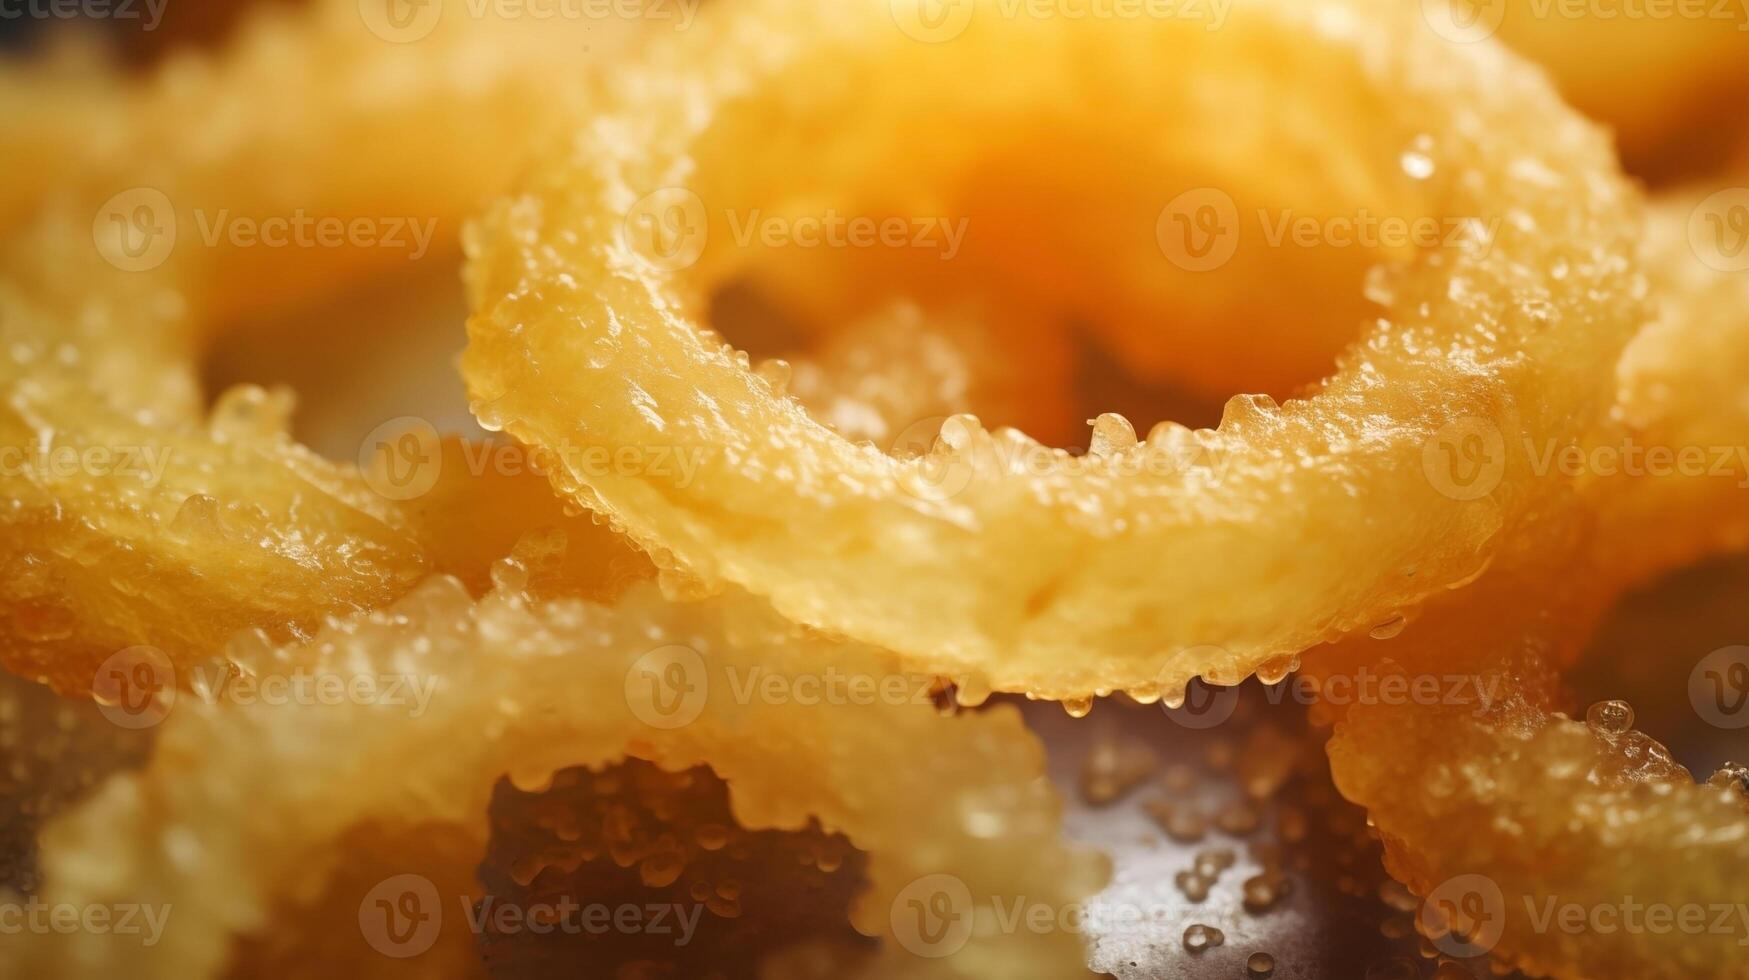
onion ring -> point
(262, 796)
(1591, 815)
(582, 336)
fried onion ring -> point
(257, 800)
(996, 559)
(1591, 815)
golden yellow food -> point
(1589, 818)
(996, 559)
(245, 815)
(1670, 79)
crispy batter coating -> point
(247, 807)
(995, 558)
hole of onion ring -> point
(378, 349)
(1668, 649)
(1034, 236)
(625, 871)
(643, 843)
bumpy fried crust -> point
(328, 109)
(1682, 405)
(1554, 812)
(132, 515)
(1557, 811)
(994, 555)
(248, 807)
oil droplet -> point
(1199, 937)
(1112, 434)
(1610, 717)
(1181, 821)
(1291, 824)
(509, 575)
(1262, 892)
(1260, 965)
(711, 836)
(198, 513)
(1194, 886)
(1077, 707)
(1212, 862)
(1389, 628)
(1731, 775)
(1397, 896)
(1395, 968)
(1275, 671)
(661, 870)
(1238, 819)
(1114, 767)
(776, 372)
(1418, 165)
